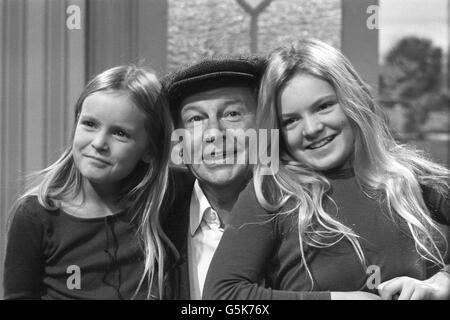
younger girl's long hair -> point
(385, 170)
(144, 189)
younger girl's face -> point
(110, 138)
(316, 131)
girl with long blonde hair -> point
(89, 227)
(354, 214)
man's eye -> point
(232, 114)
(194, 119)
(121, 133)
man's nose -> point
(213, 131)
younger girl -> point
(353, 207)
(90, 229)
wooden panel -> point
(34, 124)
(359, 43)
(109, 34)
(75, 69)
(122, 32)
(12, 83)
(152, 34)
(55, 81)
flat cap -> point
(211, 74)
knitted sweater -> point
(54, 255)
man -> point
(208, 100)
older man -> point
(208, 100)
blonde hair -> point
(144, 189)
(385, 170)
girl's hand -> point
(354, 295)
(435, 288)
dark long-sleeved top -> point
(259, 254)
(54, 255)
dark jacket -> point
(176, 227)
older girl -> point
(90, 228)
(353, 208)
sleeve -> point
(24, 255)
(240, 261)
(438, 204)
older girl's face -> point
(316, 131)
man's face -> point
(207, 116)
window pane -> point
(414, 72)
(202, 28)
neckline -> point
(339, 173)
(93, 219)
(66, 214)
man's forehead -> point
(223, 95)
